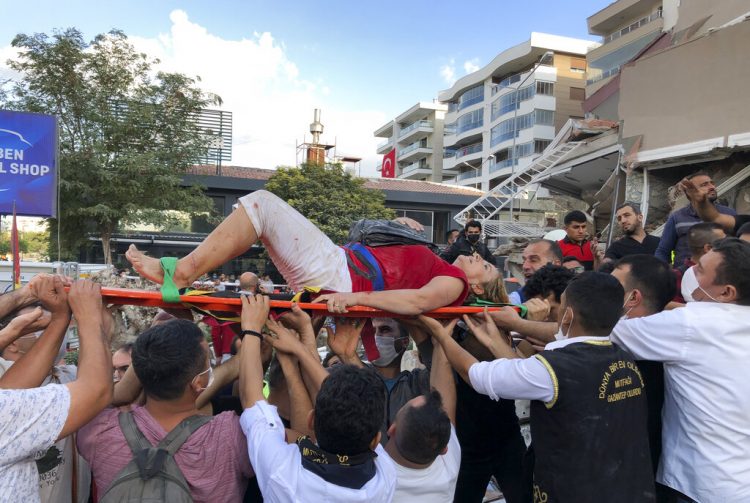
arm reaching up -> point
(92, 390)
(489, 335)
(459, 358)
(441, 378)
(255, 310)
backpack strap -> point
(133, 435)
(174, 440)
(374, 274)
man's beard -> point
(630, 231)
(713, 197)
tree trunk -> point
(106, 241)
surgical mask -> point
(210, 371)
(689, 285)
(708, 294)
(473, 238)
(387, 349)
(560, 335)
(627, 298)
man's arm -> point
(301, 322)
(92, 389)
(23, 324)
(224, 374)
(254, 314)
(440, 291)
(441, 378)
(706, 210)
(460, 359)
(286, 342)
(488, 334)
(31, 369)
(659, 337)
(667, 241)
(508, 319)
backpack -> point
(386, 233)
(152, 475)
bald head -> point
(249, 282)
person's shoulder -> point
(726, 209)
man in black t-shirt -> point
(635, 240)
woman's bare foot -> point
(149, 267)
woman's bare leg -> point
(231, 238)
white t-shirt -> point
(281, 476)
(30, 422)
(55, 466)
(436, 483)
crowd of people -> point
(633, 362)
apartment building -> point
(503, 115)
(417, 136)
(626, 28)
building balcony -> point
(416, 171)
(414, 151)
(385, 147)
(416, 131)
(611, 17)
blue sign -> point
(28, 163)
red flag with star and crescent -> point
(389, 165)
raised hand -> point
(344, 340)
(255, 310)
(486, 332)
(338, 302)
(50, 290)
(30, 322)
(85, 299)
(537, 309)
(296, 319)
(437, 329)
(283, 339)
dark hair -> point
(653, 277)
(327, 360)
(448, 234)
(423, 432)
(472, 223)
(607, 267)
(698, 173)
(596, 300)
(702, 234)
(549, 279)
(275, 375)
(569, 258)
(167, 357)
(349, 410)
(634, 206)
(575, 216)
(554, 247)
(735, 267)
(744, 229)
(127, 347)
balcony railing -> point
(469, 126)
(469, 174)
(413, 167)
(503, 164)
(413, 126)
(411, 148)
(632, 27)
(603, 75)
(385, 143)
(471, 149)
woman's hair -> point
(494, 291)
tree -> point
(127, 134)
(328, 196)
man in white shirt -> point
(422, 439)
(347, 464)
(705, 348)
(34, 419)
(588, 417)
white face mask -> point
(689, 285)
(210, 371)
(627, 297)
(387, 348)
(560, 335)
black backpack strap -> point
(133, 435)
(174, 440)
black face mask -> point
(473, 238)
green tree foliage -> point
(126, 132)
(328, 196)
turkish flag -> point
(389, 165)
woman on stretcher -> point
(416, 279)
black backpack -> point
(387, 233)
(152, 475)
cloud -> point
(471, 65)
(448, 72)
(271, 101)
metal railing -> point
(632, 27)
(413, 126)
(471, 149)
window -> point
(469, 121)
(511, 101)
(577, 65)
(540, 145)
(544, 117)
(577, 93)
(545, 88)
(471, 97)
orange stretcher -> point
(124, 296)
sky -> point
(362, 63)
